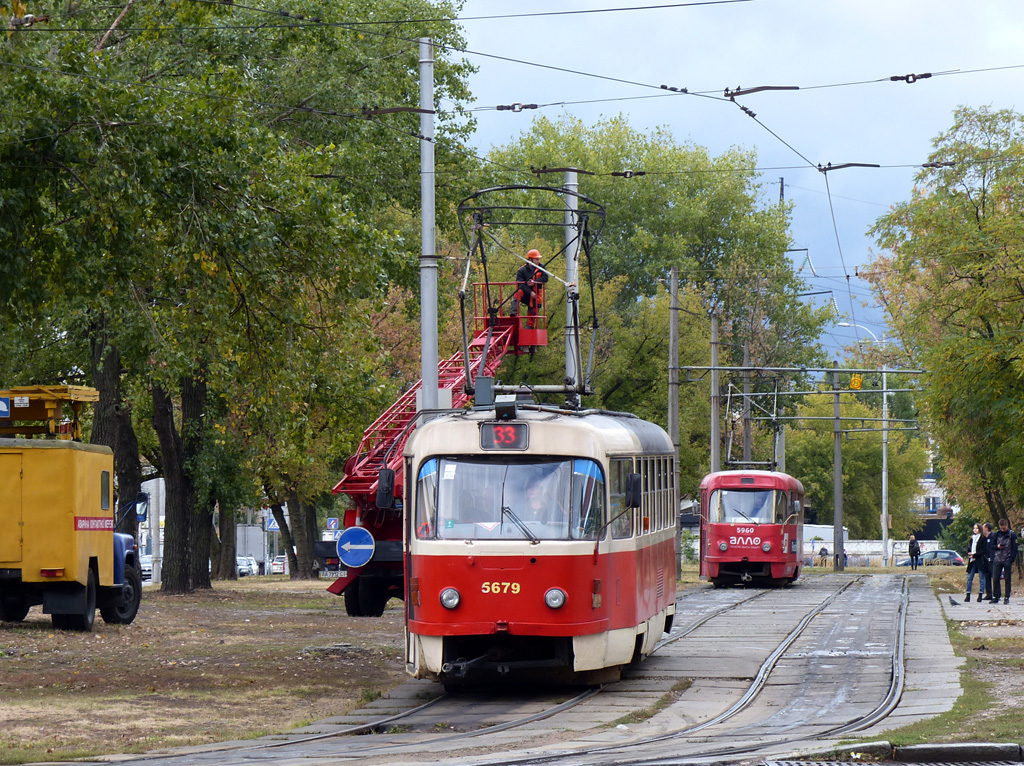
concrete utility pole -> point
(837, 476)
(428, 255)
(716, 433)
(572, 268)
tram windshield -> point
(468, 498)
(739, 506)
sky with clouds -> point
(840, 55)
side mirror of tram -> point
(386, 488)
(633, 489)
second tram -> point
(539, 543)
(751, 528)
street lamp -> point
(885, 450)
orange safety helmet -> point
(533, 255)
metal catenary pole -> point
(428, 255)
(572, 263)
(837, 477)
(747, 438)
(716, 434)
(673, 396)
(885, 471)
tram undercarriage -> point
(752, 573)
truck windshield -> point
(739, 506)
(466, 498)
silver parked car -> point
(146, 567)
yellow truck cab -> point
(58, 541)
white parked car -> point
(146, 567)
(277, 566)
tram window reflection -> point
(738, 506)
(472, 498)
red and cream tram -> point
(541, 543)
(751, 527)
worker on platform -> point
(530, 281)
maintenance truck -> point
(58, 541)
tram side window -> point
(650, 495)
(622, 517)
(426, 500)
(587, 507)
(781, 507)
(662, 494)
(673, 505)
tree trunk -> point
(224, 547)
(176, 576)
(187, 526)
(299, 514)
(112, 425)
(193, 406)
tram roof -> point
(618, 433)
(722, 478)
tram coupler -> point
(460, 667)
(745, 577)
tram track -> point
(606, 755)
(410, 747)
(381, 725)
(416, 734)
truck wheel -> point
(125, 614)
(351, 594)
(12, 611)
(373, 597)
(83, 622)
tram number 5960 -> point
(497, 588)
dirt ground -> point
(261, 655)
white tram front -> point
(541, 542)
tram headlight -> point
(723, 546)
(766, 546)
(450, 598)
(555, 598)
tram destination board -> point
(504, 435)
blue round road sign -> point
(355, 546)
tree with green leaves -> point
(197, 211)
(952, 280)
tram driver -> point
(540, 503)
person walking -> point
(973, 564)
(985, 546)
(530, 280)
(914, 551)
(1004, 552)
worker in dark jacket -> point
(530, 280)
(1004, 552)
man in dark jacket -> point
(983, 563)
(1004, 552)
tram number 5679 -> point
(497, 588)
